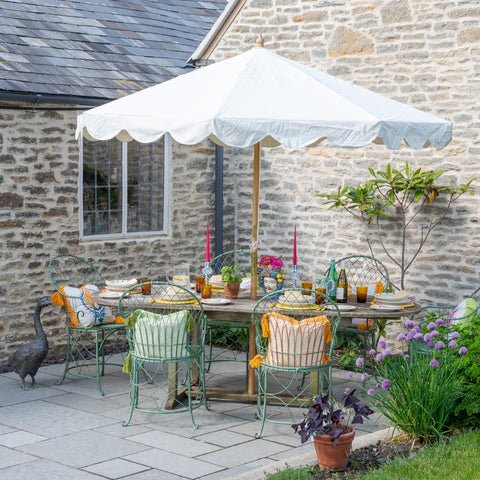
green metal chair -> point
(85, 343)
(234, 333)
(364, 270)
(166, 335)
(294, 355)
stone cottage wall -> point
(423, 53)
(39, 219)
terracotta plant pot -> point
(231, 290)
(334, 458)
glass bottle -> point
(332, 281)
(342, 285)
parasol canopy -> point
(261, 98)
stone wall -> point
(423, 53)
(39, 219)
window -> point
(123, 188)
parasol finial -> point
(260, 41)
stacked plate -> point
(296, 302)
(174, 296)
(217, 283)
(120, 285)
(391, 301)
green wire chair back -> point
(364, 270)
(73, 271)
(231, 258)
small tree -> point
(403, 194)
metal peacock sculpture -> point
(28, 358)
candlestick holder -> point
(294, 276)
(207, 271)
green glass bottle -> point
(342, 284)
(332, 281)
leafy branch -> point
(402, 194)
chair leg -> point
(67, 360)
(189, 383)
(99, 365)
(262, 400)
(133, 391)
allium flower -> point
(435, 333)
(452, 344)
(399, 352)
(430, 344)
(371, 392)
(408, 338)
(365, 376)
(387, 352)
(379, 357)
(400, 337)
(439, 345)
(427, 337)
(409, 324)
(455, 335)
(439, 321)
(372, 352)
(359, 362)
(462, 351)
(418, 335)
(350, 374)
(407, 356)
(415, 329)
(347, 390)
(434, 363)
(382, 344)
(431, 326)
(386, 384)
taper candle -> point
(295, 246)
(207, 259)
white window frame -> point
(167, 155)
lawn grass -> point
(449, 459)
(457, 459)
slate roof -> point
(98, 48)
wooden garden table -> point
(240, 310)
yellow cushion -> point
(297, 343)
(372, 289)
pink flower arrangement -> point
(272, 263)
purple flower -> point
(387, 352)
(408, 338)
(379, 357)
(371, 392)
(409, 324)
(399, 352)
(386, 384)
(418, 336)
(372, 352)
(415, 329)
(407, 356)
(452, 344)
(365, 376)
(439, 321)
(430, 344)
(400, 337)
(462, 351)
(347, 390)
(431, 326)
(350, 374)
(427, 337)
(434, 363)
(435, 333)
(359, 362)
(439, 345)
(455, 335)
(382, 344)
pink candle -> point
(208, 245)
(295, 246)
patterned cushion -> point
(296, 343)
(83, 312)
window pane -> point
(145, 187)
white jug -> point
(180, 275)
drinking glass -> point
(361, 293)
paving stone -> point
(224, 438)
(9, 457)
(84, 448)
(11, 393)
(20, 437)
(116, 468)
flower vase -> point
(269, 282)
(334, 458)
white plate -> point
(345, 308)
(216, 301)
(111, 294)
(385, 307)
(390, 297)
